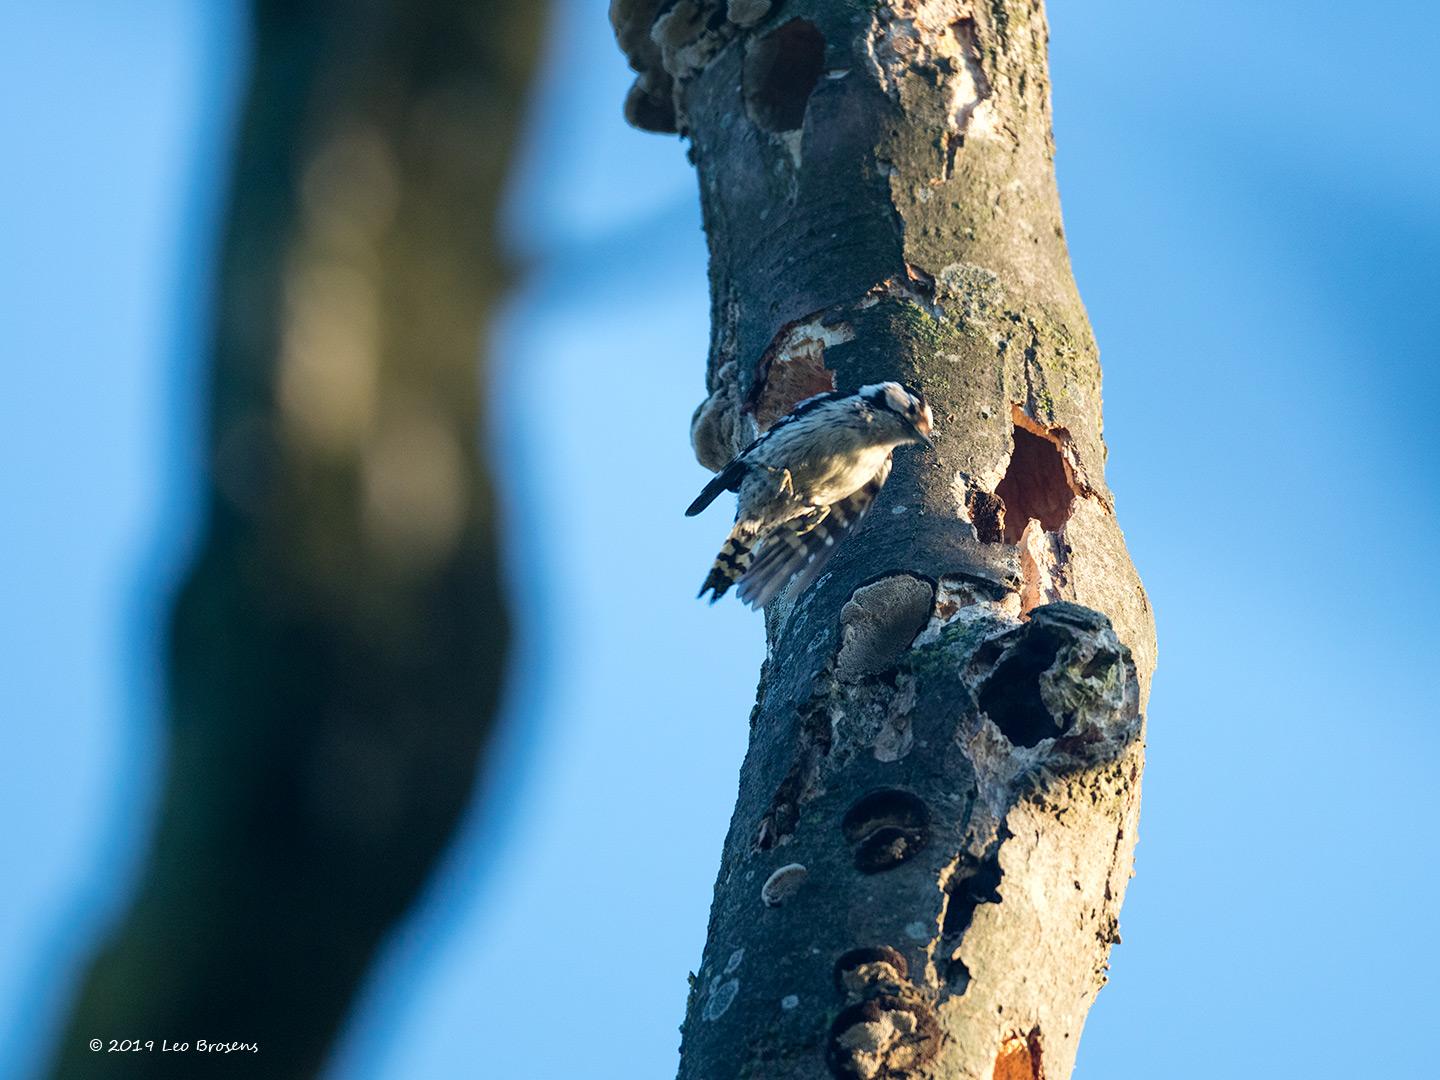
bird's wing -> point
(805, 407)
(727, 479)
(793, 551)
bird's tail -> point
(732, 562)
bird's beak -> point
(923, 426)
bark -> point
(336, 650)
(938, 809)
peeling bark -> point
(937, 813)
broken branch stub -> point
(948, 736)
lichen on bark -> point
(945, 739)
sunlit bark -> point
(938, 809)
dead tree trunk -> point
(938, 810)
(336, 650)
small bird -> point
(805, 483)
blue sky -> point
(116, 118)
(1250, 199)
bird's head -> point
(911, 412)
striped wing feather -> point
(792, 552)
(730, 477)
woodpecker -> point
(807, 482)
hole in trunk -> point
(957, 976)
(791, 378)
(884, 829)
(968, 888)
(1035, 486)
(888, 1036)
(1019, 1058)
(1010, 696)
(987, 514)
(859, 969)
(781, 70)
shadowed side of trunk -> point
(938, 809)
(336, 650)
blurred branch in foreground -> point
(337, 649)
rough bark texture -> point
(938, 810)
(336, 650)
